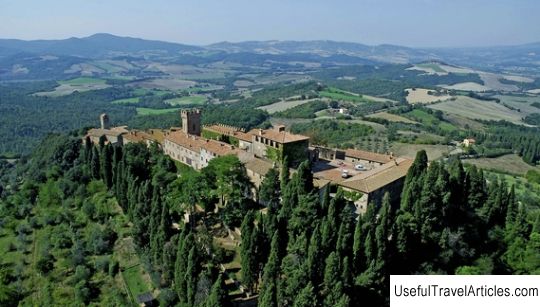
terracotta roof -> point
(377, 178)
(100, 132)
(229, 130)
(191, 142)
(122, 129)
(369, 156)
(218, 148)
(259, 166)
(278, 136)
(333, 174)
(141, 136)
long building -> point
(367, 176)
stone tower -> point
(104, 119)
(191, 121)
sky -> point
(414, 23)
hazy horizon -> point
(414, 23)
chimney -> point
(281, 128)
(260, 132)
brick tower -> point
(191, 121)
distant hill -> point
(95, 46)
(518, 59)
(384, 53)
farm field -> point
(467, 86)
(126, 100)
(337, 94)
(284, 105)
(523, 103)
(423, 96)
(392, 118)
(81, 84)
(478, 109)
(165, 84)
(434, 152)
(149, 111)
(508, 163)
(188, 100)
(429, 120)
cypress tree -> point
(191, 274)
(306, 297)
(247, 258)
(270, 190)
(107, 171)
(268, 293)
(94, 164)
(218, 294)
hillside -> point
(95, 46)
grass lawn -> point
(135, 281)
(149, 111)
(126, 100)
(188, 100)
(82, 81)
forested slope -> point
(302, 250)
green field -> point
(188, 100)
(144, 92)
(337, 94)
(126, 100)
(82, 81)
(432, 66)
(478, 109)
(148, 111)
(429, 120)
(135, 282)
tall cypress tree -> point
(95, 168)
(246, 251)
(218, 294)
(268, 293)
(106, 165)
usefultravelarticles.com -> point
(464, 290)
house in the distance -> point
(469, 142)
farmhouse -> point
(469, 142)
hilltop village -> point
(367, 176)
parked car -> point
(360, 167)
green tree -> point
(218, 295)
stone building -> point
(191, 121)
(368, 159)
(373, 184)
(275, 144)
(106, 134)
